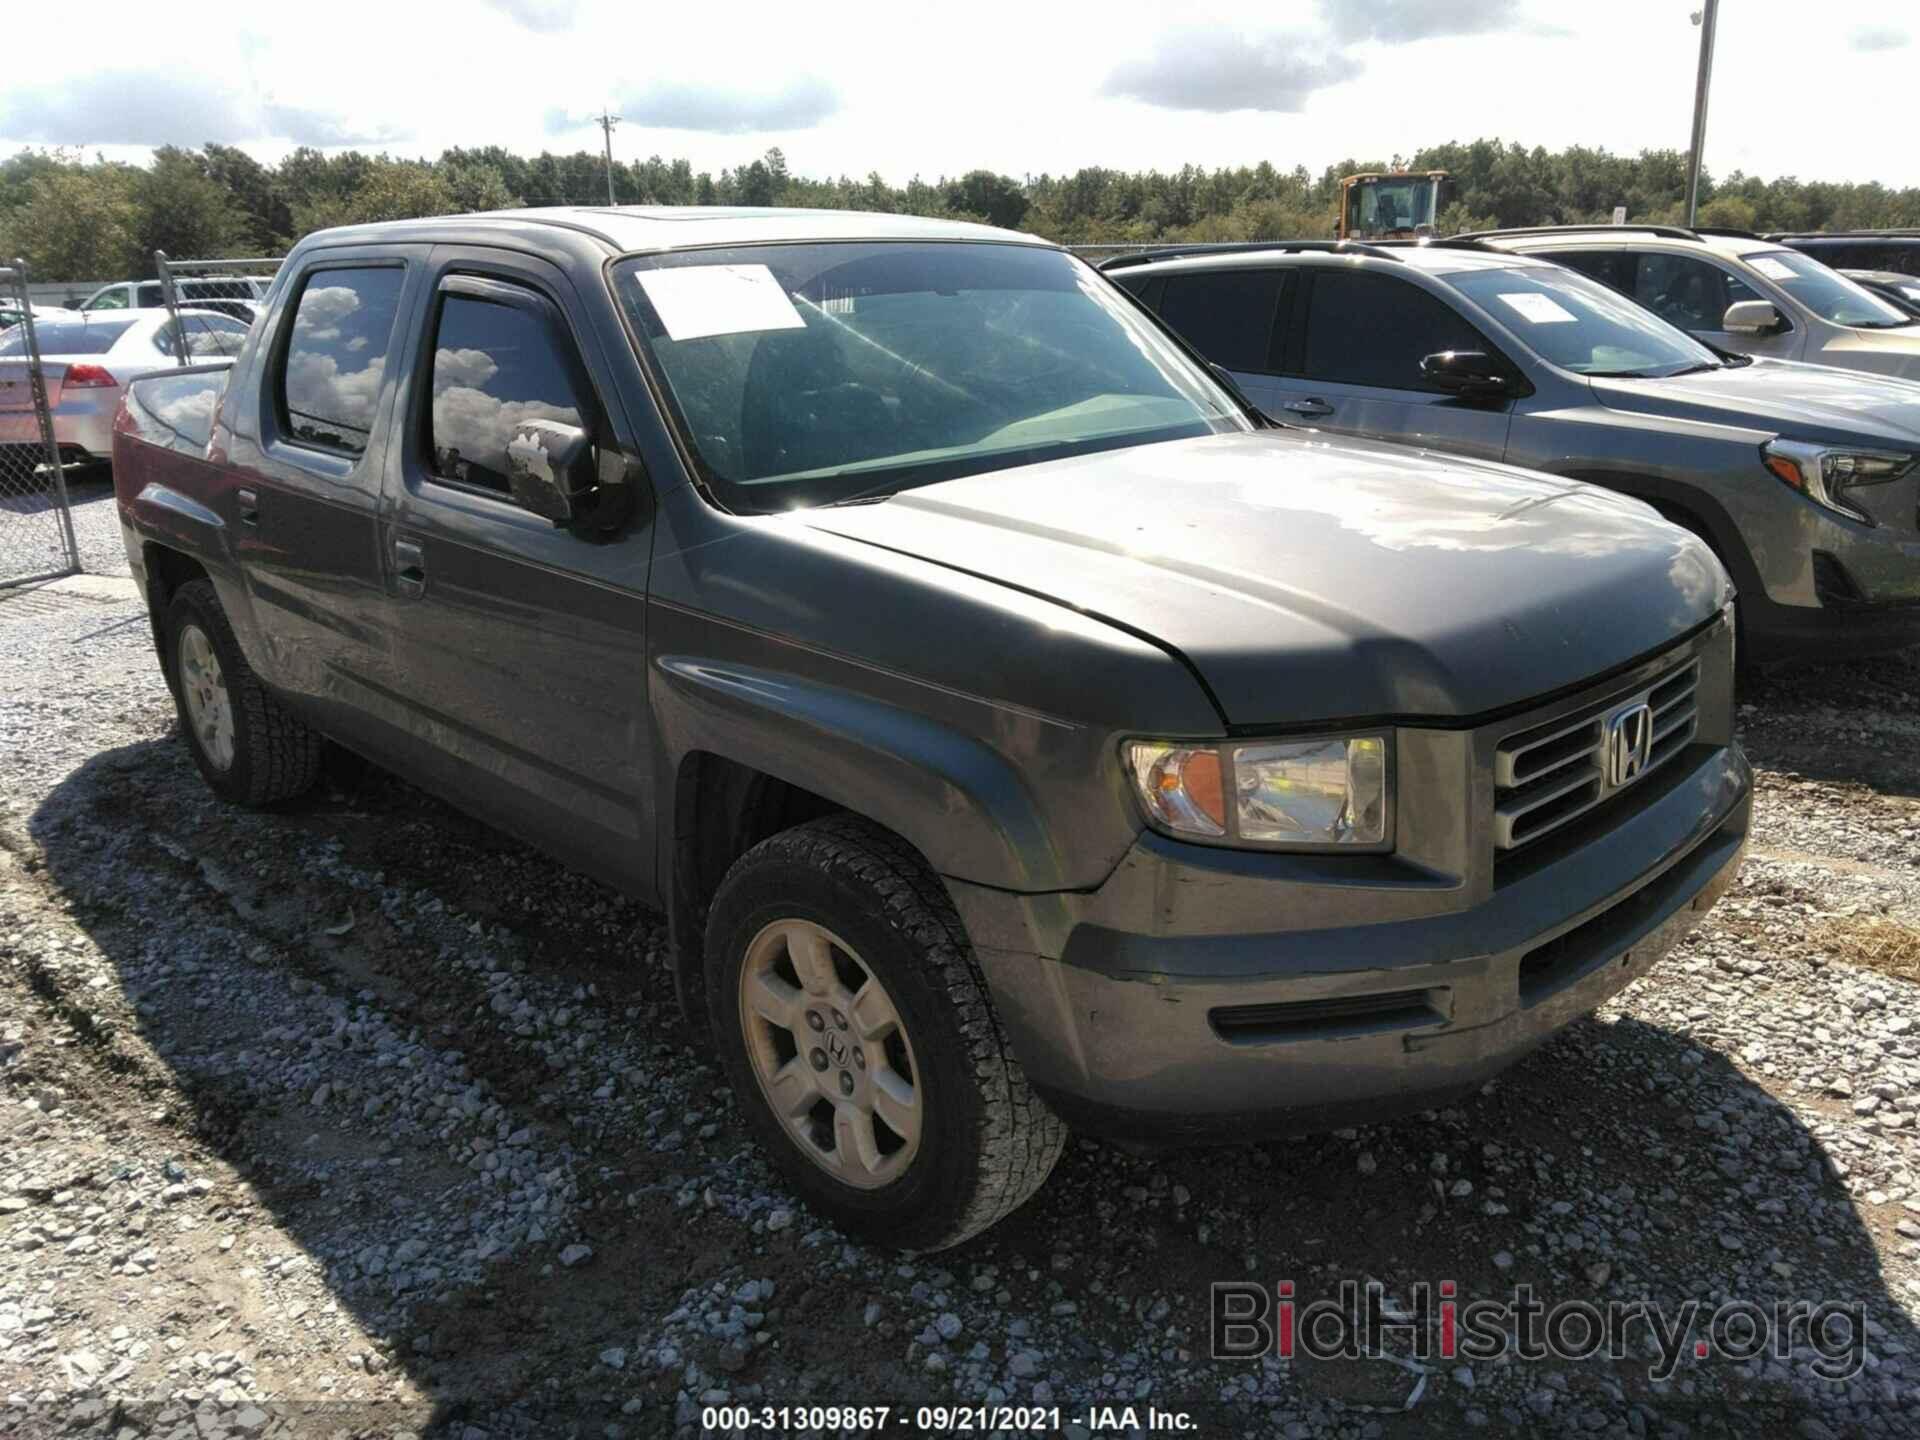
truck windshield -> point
(1580, 324)
(1826, 292)
(1380, 207)
(820, 373)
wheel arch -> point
(166, 570)
(766, 752)
(1693, 510)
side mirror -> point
(1464, 372)
(550, 468)
(1750, 317)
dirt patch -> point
(1889, 946)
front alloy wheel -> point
(861, 1040)
(832, 1057)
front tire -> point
(248, 748)
(859, 1036)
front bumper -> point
(1828, 632)
(1218, 1034)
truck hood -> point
(1307, 579)
(1815, 402)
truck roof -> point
(669, 227)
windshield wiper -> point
(1653, 374)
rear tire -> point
(248, 748)
(919, 1130)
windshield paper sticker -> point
(1774, 269)
(1540, 309)
(695, 301)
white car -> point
(11, 314)
(88, 359)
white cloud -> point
(462, 367)
(1395, 22)
(796, 104)
(1873, 39)
(322, 308)
(190, 414)
(323, 393)
(1221, 70)
(479, 425)
(539, 15)
(164, 105)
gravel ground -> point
(361, 1117)
(96, 526)
(30, 540)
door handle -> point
(249, 507)
(409, 567)
(1309, 406)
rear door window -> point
(327, 383)
(1229, 316)
(1369, 329)
(495, 367)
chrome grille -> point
(1552, 774)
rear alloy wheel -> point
(860, 1039)
(203, 693)
(245, 743)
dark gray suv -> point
(1017, 731)
(1802, 478)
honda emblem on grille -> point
(1629, 744)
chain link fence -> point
(36, 522)
(232, 287)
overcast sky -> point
(1818, 91)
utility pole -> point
(1705, 19)
(607, 122)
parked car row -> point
(1567, 351)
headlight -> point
(1298, 794)
(1825, 475)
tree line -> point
(79, 219)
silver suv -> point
(1735, 291)
(1804, 480)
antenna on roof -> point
(606, 120)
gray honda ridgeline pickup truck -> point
(1018, 730)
